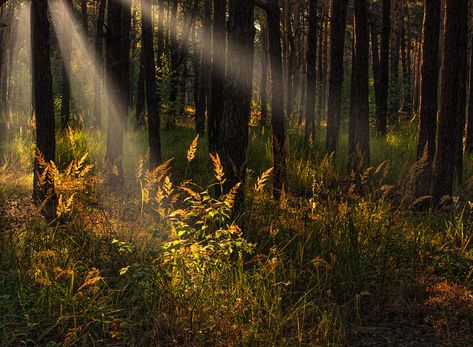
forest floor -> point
(407, 283)
(435, 312)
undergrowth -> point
(164, 262)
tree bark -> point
(469, 129)
(65, 84)
(453, 93)
(218, 73)
(152, 98)
(43, 189)
(264, 74)
(277, 99)
(237, 95)
(99, 58)
(382, 116)
(338, 25)
(428, 103)
(311, 71)
(140, 95)
(204, 66)
(358, 139)
(84, 17)
(116, 107)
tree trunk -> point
(428, 104)
(152, 99)
(264, 74)
(311, 71)
(375, 63)
(65, 85)
(125, 84)
(43, 188)
(204, 66)
(84, 17)
(338, 25)
(99, 55)
(381, 112)
(217, 74)
(116, 107)
(237, 95)
(140, 95)
(469, 129)
(174, 57)
(358, 140)
(277, 99)
(453, 93)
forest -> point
(236, 173)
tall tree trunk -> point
(264, 74)
(338, 25)
(453, 94)
(99, 55)
(375, 62)
(116, 106)
(358, 140)
(382, 109)
(277, 99)
(152, 99)
(428, 104)
(218, 73)
(43, 188)
(84, 17)
(469, 129)
(140, 95)
(65, 85)
(311, 71)
(125, 84)
(204, 66)
(174, 57)
(237, 95)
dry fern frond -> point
(218, 168)
(262, 180)
(192, 149)
(231, 195)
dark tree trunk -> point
(99, 55)
(264, 74)
(65, 85)
(116, 108)
(469, 129)
(84, 17)
(381, 111)
(43, 189)
(217, 74)
(152, 99)
(375, 62)
(277, 99)
(237, 94)
(140, 95)
(358, 139)
(338, 25)
(428, 104)
(174, 57)
(204, 66)
(311, 71)
(453, 94)
(125, 84)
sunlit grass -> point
(333, 251)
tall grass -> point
(165, 263)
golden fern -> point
(192, 149)
(218, 167)
(231, 195)
(262, 180)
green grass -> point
(123, 270)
